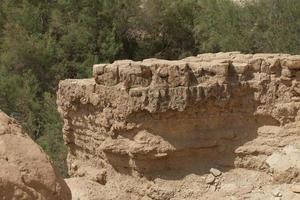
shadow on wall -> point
(203, 136)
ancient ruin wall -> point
(157, 118)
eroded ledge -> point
(174, 118)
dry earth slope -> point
(26, 173)
(214, 126)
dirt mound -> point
(26, 172)
(187, 129)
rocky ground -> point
(215, 126)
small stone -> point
(210, 179)
(276, 193)
(98, 69)
(101, 177)
(215, 172)
(245, 189)
(163, 72)
(81, 174)
(161, 155)
(285, 78)
(229, 189)
(295, 188)
(74, 166)
(146, 198)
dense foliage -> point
(44, 41)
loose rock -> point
(295, 188)
(210, 179)
(276, 193)
(215, 172)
